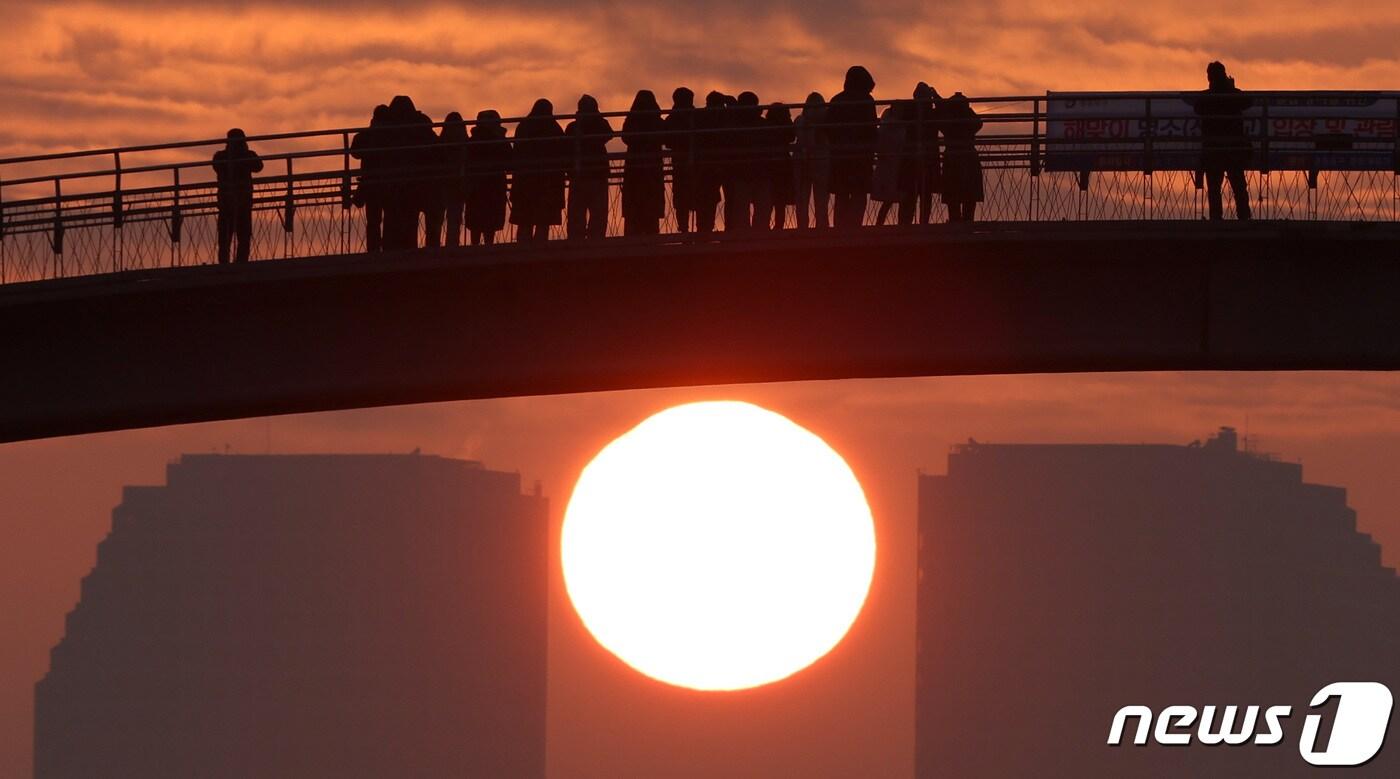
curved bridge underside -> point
(208, 343)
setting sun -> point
(718, 546)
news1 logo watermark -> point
(1358, 728)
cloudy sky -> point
(93, 74)
(97, 74)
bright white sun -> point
(718, 546)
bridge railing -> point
(1053, 157)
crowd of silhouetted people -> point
(731, 156)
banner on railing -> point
(1310, 131)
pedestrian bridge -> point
(1089, 255)
(158, 347)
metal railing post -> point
(693, 175)
(288, 216)
(117, 189)
(3, 277)
(1150, 132)
(1033, 207)
(57, 241)
(346, 194)
(1265, 166)
(116, 210)
(176, 220)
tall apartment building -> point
(307, 616)
(1058, 583)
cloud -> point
(107, 72)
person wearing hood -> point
(812, 163)
(589, 134)
(680, 140)
(410, 173)
(542, 161)
(962, 165)
(453, 156)
(1225, 145)
(369, 147)
(488, 158)
(851, 128)
(234, 166)
(643, 174)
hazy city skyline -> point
(307, 615)
(1343, 426)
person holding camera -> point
(1225, 146)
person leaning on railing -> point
(643, 177)
(710, 153)
(541, 158)
(453, 138)
(680, 140)
(588, 175)
(851, 126)
(488, 160)
(928, 179)
(895, 167)
(962, 165)
(234, 166)
(812, 164)
(776, 162)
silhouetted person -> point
(234, 166)
(430, 177)
(1225, 146)
(812, 162)
(928, 180)
(710, 160)
(776, 160)
(851, 124)
(894, 180)
(745, 184)
(369, 147)
(729, 151)
(453, 138)
(643, 177)
(409, 175)
(488, 159)
(962, 166)
(588, 134)
(542, 158)
(680, 139)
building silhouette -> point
(1058, 583)
(307, 616)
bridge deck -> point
(190, 344)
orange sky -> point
(851, 713)
(94, 74)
